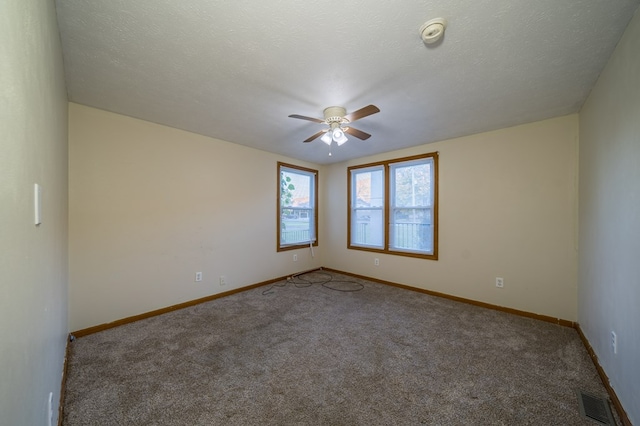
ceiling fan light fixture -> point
(339, 137)
(327, 138)
(341, 140)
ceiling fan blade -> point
(361, 113)
(357, 133)
(309, 139)
(303, 117)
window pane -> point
(367, 227)
(296, 189)
(412, 185)
(369, 189)
(412, 230)
(296, 226)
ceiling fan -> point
(337, 118)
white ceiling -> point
(234, 70)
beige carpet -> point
(308, 354)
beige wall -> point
(150, 205)
(609, 272)
(33, 260)
(507, 209)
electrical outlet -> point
(198, 276)
(614, 342)
(295, 257)
(376, 261)
(499, 282)
(223, 280)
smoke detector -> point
(433, 30)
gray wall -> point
(33, 260)
(609, 224)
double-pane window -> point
(393, 206)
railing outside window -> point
(295, 225)
(412, 236)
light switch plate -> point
(37, 204)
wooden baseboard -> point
(97, 328)
(545, 318)
(624, 418)
(90, 330)
(106, 326)
(63, 381)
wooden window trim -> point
(315, 208)
(386, 210)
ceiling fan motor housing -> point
(335, 114)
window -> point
(393, 206)
(367, 207)
(297, 207)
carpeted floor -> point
(308, 354)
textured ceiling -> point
(234, 70)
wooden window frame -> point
(279, 245)
(386, 210)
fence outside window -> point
(408, 236)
